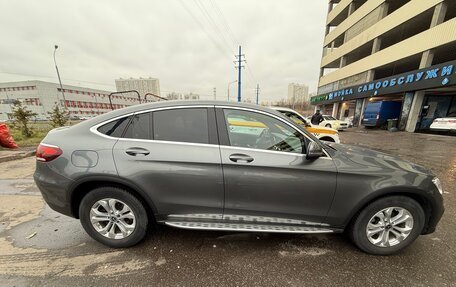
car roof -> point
(172, 103)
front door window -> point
(258, 131)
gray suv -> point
(234, 167)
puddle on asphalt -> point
(50, 230)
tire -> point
(328, 126)
(358, 229)
(136, 224)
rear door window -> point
(181, 125)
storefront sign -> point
(432, 77)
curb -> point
(17, 156)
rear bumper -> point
(54, 188)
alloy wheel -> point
(389, 226)
(112, 218)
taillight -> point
(378, 116)
(47, 153)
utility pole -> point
(215, 94)
(257, 93)
(239, 66)
(60, 82)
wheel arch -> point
(417, 195)
(83, 186)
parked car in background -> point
(444, 124)
(331, 122)
(322, 133)
(377, 114)
(349, 120)
(192, 165)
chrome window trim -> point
(94, 129)
(274, 116)
(168, 142)
(263, 150)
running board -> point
(248, 227)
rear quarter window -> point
(114, 128)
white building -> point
(298, 93)
(40, 97)
(179, 96)
(143, 86)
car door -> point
(173, 155)
(267, 176)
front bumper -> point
(436, 215)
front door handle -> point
(134, 151)
(241, 158)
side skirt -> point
(250, 227)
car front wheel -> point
(113, 216)
(328, 126)
(387, 225)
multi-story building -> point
(297, 93)
(179, 96)
(142, 85)
(41, 97)
(389, 50)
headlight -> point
(438, 184)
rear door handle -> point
(134, 151)
(241, 158)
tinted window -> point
(181, 125)
(254, 130)
(114, 128)
(139, 127)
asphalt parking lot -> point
(39, 247)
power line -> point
(213, 23)
(202, 27)
(225, 22)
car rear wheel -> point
(113, 216)
(387, 225)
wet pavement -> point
(39, 247)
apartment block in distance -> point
(142, 85)
(297, 93)
(389, 50)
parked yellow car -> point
(322, 133)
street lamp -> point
(58, 75)
(229, 84)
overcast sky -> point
(188, 44)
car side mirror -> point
(314, 151)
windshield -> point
(329, 118)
